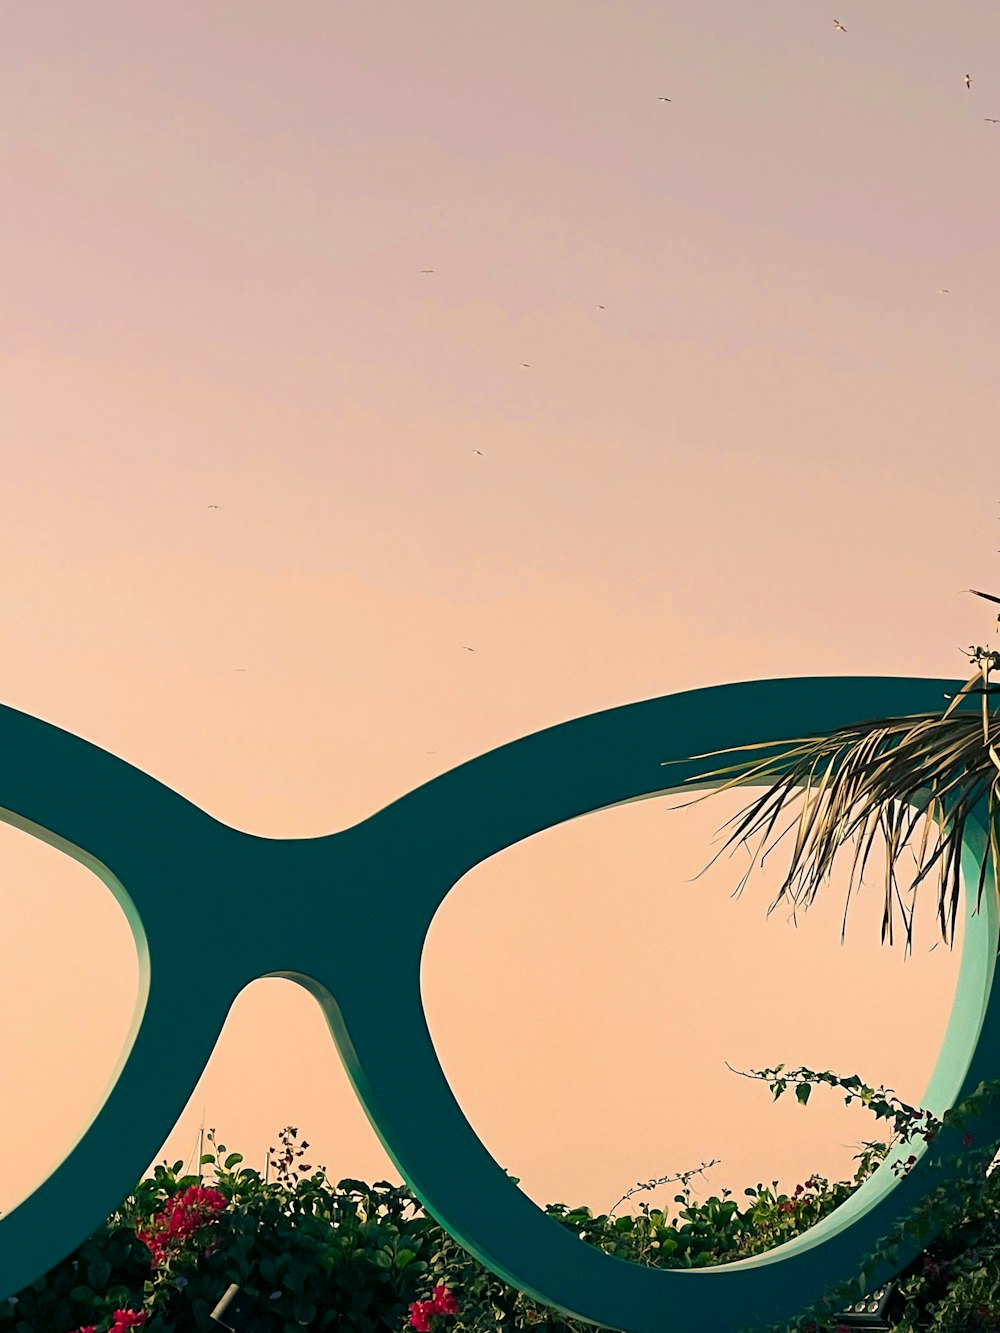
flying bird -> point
(600, 307)
(664, 99)
(943, 291)
(968, 81)
(468, 650)
(426, 270)
(478, 451)
(213, 506)
(525, 366)
(991, 120)
(839, 26)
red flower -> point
(123, 1319)
(444, 1301)
(419, 1315)
(179, 1219)
(968, 1140)
(87, 1328)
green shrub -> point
(308, 1255)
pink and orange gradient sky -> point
(754, 437)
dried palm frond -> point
(882, 775)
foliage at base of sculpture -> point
(309, 1255)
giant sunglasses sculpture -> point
(375, 887)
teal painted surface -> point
(367, 895)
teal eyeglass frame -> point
(377, 886)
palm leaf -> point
(869, 778)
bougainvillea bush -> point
(308, 1255)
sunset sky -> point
(697, 390)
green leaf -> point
(98, 1273)
(802, 1092)
(232, 1160)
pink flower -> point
(86, 1328)
(123, 1319)
(179, 1219)
(419, 1315)
(444, 1301)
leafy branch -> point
(683, 1178)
